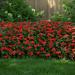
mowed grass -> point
(32, 66)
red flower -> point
(21, 53)
(73, 44)
(18, 42)
(6, 56)
(30, 38)
(73, 50)
(6, 37)
(73, 33)
(48, 55)
(36, 45)
(20, 37)
(53, 50)
(32, 42)
(66, 49)
(43, 42)
(29, 48)
(20, 28)
(57, 52)
(51, 44)
(13, 53)
(49, 30)
(30, 53)
(59, 32)
(63, 43)
(1, 39)
(73, 29)
(40, 34)
(42, 48)
(38, 53)
(48, 35)
(1, 35)
(53, 39)
(27, 42)
(73, 41)
(66, 36)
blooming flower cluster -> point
(45, 39)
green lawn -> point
(34, 66)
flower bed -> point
(45, 39)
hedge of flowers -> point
(44, 39)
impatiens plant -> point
(45, 39)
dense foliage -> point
(16, 10)
(69, 9)
(45, 39)
(68, 12)
(60, 17)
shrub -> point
(68, 12)
(60, 17)
(69, 9)
(17, 10)
(45, 39)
